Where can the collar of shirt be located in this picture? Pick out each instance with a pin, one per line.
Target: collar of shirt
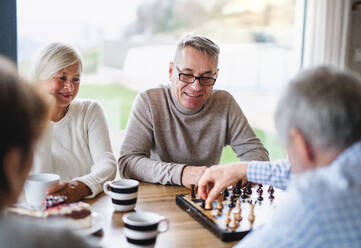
(342, 173)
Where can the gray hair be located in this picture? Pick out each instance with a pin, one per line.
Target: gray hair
(200, 43)
(51, 59)
(324, 104)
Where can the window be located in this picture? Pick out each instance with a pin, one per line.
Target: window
(123, 42)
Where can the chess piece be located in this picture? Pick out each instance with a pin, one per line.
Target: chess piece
(234, 223)
(238, 204)
(232, 205)
(260, 192)
(248, 188)
(251, 216)
(193, 193)
(208, 205)
(234, 192)
(271, 197)
(238, 215)
(238, 189)
(225, 192)
(219, 212)
(228, 219)
(203, 203)
(220, 205)
(259, 188)
(244, 195)
(271, 192)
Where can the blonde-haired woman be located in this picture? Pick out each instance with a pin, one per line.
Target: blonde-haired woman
(77, 145)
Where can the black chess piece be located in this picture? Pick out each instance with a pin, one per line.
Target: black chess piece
(271, 192)
(260, 192)
(234, 191)
(203, 203)
(193, 193)
(225, 192)
(259, 188)
(248, 188)
(238, 188)
(244, 195)
(232, 202)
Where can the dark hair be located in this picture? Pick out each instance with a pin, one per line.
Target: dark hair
(23, 113)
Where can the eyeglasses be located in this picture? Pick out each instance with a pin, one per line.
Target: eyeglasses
(190, 78)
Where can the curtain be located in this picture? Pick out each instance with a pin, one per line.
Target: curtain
(326, 32)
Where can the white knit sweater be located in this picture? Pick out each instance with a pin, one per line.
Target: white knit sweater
(78, 147)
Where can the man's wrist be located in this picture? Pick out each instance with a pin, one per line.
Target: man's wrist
(241, 171)
(181, 175)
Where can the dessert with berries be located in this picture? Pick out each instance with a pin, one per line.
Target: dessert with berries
(76, 215)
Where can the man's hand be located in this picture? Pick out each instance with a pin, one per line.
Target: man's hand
(74, 191)
(191, 175)
(218, 177)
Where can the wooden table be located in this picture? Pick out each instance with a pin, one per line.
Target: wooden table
(183, 231)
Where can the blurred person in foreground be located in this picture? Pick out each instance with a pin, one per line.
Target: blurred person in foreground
(77, 145)
(319, 121)
(24, 113)
(175, 132)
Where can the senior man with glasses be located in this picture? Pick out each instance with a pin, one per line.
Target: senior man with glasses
(175, 133)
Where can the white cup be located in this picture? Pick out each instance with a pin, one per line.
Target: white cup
(36, 186)
(141, 228)
(123, 193)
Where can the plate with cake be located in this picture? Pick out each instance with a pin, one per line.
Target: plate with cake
(76, 216)
(97, 224)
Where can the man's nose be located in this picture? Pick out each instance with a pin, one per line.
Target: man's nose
(196, 85)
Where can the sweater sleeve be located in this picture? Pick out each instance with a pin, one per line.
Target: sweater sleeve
(135, 161)
(241, 137)
(104, 163)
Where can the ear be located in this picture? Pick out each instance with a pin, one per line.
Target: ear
(303, 149)
(171, 66)
(217, 72)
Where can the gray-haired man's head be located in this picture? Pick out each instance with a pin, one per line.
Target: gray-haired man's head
(201, 43)
(324, 104)
(194, 71)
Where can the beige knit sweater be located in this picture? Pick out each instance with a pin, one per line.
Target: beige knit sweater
(162, 136)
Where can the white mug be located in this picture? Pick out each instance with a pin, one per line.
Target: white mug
(36, 186)
(141, 228)
(123, 193)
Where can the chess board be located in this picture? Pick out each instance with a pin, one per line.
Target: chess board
(216, 222)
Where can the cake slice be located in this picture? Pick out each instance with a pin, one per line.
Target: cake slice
(75, 215)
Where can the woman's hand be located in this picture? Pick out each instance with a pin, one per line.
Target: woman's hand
(74, 191)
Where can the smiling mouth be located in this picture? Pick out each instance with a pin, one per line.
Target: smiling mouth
(192, 95)
(65, 95)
